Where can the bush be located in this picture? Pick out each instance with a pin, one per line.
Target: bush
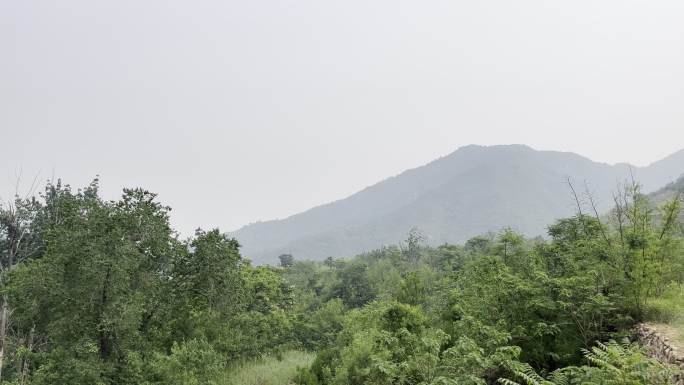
(194, 362)
(608, 364)
(70, 367)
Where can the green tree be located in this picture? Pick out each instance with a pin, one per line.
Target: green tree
(286, 260)
(353, 287)
(99, 278)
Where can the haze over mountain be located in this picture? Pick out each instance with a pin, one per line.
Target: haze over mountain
(471, 191)
(666, 194)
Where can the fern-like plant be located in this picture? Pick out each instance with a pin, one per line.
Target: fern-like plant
(611, 363)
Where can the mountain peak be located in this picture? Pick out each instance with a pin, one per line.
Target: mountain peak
(496, 147)
(473, 190)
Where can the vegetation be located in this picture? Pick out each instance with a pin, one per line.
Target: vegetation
(270, 370)
(609, 364)
(104, 292)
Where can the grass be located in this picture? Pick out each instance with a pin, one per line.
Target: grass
(668, 310)
(269, 370)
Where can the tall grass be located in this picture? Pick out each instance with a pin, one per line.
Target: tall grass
(268, 371)
(668, 309)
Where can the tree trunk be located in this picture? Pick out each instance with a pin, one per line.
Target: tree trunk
(104, 336)
(3, 332)
(23, 379)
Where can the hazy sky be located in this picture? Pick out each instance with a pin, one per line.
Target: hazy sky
(235, 111)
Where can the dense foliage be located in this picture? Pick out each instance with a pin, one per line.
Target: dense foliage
(476, 313)
(104, 292)
(110, 295)
(608, 364)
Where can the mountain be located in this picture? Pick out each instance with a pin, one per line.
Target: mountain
(473, 190)
(668, 192)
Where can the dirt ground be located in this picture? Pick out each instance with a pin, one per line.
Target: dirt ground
(673, 336)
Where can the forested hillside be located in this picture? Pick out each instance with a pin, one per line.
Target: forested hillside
(104, 292)
(469, 192)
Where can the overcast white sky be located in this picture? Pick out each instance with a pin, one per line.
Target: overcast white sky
(235, 111)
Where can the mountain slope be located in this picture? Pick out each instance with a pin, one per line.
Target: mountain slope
(667, 193)
(473, 190)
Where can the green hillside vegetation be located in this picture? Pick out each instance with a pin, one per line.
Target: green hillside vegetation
(667, 311)
(104, 292)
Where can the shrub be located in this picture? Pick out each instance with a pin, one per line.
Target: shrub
(193, 362)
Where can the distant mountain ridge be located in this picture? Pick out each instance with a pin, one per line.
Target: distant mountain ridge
(473, 190)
